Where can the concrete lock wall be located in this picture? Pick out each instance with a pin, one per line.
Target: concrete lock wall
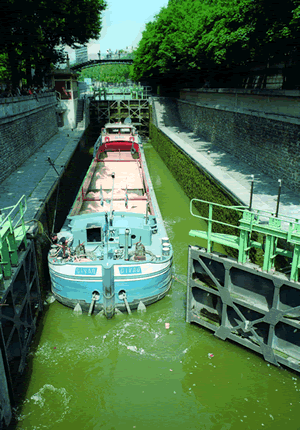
(26, 123)
(260, 127)
(69, 108)
(5, 406)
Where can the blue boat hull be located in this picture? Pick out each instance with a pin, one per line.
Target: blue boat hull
(70, 289)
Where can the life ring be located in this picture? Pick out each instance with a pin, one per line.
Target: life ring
(106, 139)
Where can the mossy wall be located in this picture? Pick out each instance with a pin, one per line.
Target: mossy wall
(196, 183)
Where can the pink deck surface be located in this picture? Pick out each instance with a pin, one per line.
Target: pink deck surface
(127, 174)
(128, 181)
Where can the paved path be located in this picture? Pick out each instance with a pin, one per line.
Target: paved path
(228, 170)
(35, 178)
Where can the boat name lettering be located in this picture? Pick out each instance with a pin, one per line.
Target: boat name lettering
(85, 270)
(129, 270)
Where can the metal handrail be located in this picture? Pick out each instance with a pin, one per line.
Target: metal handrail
(209, 219)
(22, 203)
(257, 213)
(260, 221)
(12, 234)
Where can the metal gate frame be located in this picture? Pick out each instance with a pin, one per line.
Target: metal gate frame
(240, 302)
(108, 110)
(20, 306)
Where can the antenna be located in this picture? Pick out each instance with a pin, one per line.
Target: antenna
(278, 197)
(112, 199)
(251, 192)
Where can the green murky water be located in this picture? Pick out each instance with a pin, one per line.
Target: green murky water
(132, 372)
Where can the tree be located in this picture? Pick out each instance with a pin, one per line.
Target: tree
(202, 37)
(31, 30)
(114, 73)
(4, 75)
(169, 43)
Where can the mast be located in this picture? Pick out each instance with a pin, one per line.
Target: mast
(111, 212)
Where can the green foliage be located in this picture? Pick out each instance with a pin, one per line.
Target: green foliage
(114, 73)
(32, 30)
(4, 73)
(190, 37)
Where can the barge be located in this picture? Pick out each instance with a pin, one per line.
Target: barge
(113, 251)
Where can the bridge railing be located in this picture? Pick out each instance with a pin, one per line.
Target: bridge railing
(116, 56)
(104, 58)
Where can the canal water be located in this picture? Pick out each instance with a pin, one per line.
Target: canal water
(87, 373)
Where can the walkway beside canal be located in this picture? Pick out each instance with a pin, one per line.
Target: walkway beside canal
(233, 174)
(36, 178)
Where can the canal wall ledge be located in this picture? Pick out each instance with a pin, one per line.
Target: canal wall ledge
(230, 171)
(36, 178)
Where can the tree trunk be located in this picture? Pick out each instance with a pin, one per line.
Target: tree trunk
(28, 71)
(13, 61)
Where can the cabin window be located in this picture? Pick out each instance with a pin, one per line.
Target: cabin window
(94, 234)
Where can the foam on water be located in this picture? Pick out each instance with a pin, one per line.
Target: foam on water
(48, 406)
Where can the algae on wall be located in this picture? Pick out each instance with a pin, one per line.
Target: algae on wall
(194, 181)
(198, 184)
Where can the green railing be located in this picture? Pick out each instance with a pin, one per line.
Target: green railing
(12, 234)
(266, 223)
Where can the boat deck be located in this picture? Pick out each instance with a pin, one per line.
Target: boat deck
(129, 194)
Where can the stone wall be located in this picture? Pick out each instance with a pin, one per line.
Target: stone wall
(26, 123)
(267, 137)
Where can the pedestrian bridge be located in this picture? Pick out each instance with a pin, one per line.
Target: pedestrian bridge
(109, 59)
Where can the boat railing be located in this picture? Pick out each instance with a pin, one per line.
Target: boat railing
(268, 227)
(146, 185)
(99, 160)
